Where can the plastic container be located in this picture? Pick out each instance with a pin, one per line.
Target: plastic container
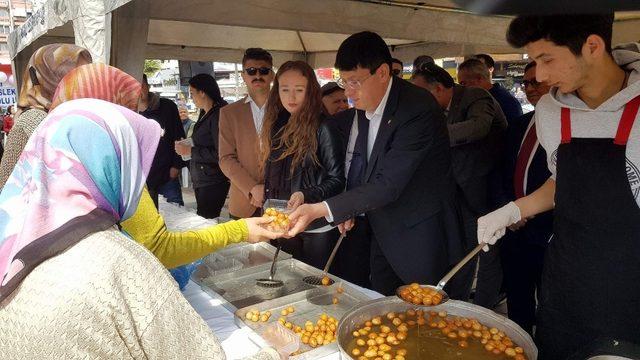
(188, 142)
(285, 341)
(279, 205)
(282, 207)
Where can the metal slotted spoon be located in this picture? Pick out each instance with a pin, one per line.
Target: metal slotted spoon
(271, 282)
(446, 278)
(317, 280)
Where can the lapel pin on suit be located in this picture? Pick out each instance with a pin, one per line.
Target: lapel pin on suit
(389, 121)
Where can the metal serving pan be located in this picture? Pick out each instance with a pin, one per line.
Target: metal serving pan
(234, 258)
(308, 305)
(382, 306)
(238, 289)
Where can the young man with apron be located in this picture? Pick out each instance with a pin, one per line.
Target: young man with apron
(591, 278)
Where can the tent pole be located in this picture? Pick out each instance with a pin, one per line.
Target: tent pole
(235, 67)
(304, 48)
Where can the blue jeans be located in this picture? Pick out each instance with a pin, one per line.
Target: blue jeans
(172, 191)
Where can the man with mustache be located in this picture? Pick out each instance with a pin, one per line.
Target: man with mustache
(240, 125)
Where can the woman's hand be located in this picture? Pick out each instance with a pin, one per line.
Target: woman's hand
(296, 199)
(257, 233)
(256, 195)
(182, 149)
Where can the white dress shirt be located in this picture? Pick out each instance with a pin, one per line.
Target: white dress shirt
(375, 118)
(257, 112)
(351, 144)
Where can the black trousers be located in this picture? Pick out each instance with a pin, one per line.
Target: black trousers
(311, 248)
(353, 259)
(210, 199)
(522, 265)
(474, 195)
(383, 278)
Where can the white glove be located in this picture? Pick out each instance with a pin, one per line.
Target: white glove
(493, 226)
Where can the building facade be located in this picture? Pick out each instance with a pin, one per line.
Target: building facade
(13, 13)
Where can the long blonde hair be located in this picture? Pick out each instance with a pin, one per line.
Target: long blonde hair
(299, 137)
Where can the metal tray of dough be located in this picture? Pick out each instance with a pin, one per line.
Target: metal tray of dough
(239, 289)
(308, 306)
(234, 258)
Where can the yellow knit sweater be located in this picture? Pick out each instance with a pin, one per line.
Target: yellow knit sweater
(174, 249)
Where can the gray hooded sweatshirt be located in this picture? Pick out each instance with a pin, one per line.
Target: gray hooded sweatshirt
(601, 122)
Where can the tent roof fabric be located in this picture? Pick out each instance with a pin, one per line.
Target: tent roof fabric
(219, 30)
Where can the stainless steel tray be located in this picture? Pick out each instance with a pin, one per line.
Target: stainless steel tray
(308, 305)
(236, 257)
(239, 289)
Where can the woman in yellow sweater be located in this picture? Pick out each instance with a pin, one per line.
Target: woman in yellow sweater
(145, 226)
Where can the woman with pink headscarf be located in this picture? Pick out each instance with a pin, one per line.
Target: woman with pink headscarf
(72, 285)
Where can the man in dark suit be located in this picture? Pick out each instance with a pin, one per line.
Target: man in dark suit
(400, 173)
(523, 247)
(476, 132)
(475, 72)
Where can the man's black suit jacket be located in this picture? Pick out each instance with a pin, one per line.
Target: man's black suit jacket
(409, 194)
(476, 129)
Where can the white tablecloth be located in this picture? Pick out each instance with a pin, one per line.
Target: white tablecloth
(179, 218)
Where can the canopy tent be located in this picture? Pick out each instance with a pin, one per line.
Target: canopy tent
(124, 32)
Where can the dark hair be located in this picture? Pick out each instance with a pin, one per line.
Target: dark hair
(298, 138)
(330, 91)
(420, 60)
(207, 84)
(396, 61)
(529, 66)
(571, 31)
(433, 73)
(476, 67)
(257, 54)
(366, 50)
(487, 59)
(145, 81)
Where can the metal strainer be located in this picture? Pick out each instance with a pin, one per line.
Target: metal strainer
(446, 278)
(271, 282)
(317, 280)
